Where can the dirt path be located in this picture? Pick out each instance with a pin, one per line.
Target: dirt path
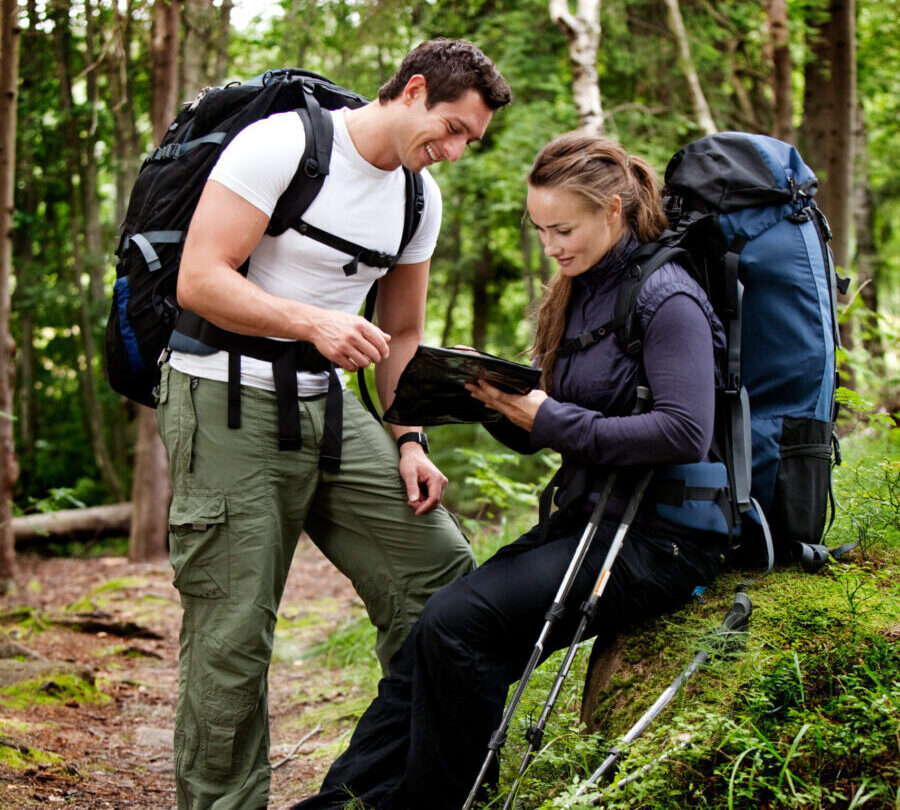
(92, 751)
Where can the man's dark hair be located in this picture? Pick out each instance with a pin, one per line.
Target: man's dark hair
(450, 67)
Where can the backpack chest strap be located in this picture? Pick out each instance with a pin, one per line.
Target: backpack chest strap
(373, 258)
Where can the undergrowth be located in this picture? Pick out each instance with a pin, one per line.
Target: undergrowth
(805, 714)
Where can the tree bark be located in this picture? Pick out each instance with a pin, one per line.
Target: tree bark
(868, 262)
(605, 661)
(222, 37)
(481, 299)
(126, 142)
(73, 524)
(82, 199)
(782, 88)
(198, 44)
(841, 158)
(9, 468)
(151, 491)
(702, 114)
(164, 72)
(830, 111)
(582, 32)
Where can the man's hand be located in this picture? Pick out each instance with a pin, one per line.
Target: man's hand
(425, 483)
(520, 409)
(350, 341)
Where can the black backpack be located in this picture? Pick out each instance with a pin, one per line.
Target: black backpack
(144, 308)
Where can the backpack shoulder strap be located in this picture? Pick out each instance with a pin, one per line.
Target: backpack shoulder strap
(415, 205)
(311, 170)
(646, 260)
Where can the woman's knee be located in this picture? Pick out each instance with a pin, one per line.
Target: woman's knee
(456, 616)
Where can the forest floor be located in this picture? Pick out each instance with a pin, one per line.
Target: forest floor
(88, 682)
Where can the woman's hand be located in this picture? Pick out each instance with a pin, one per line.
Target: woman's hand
(520, 409)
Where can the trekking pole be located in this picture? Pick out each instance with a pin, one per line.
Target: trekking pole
(556, 609)
(535, 733)
(735, 620)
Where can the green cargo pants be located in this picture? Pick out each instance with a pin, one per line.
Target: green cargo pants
(238, 508)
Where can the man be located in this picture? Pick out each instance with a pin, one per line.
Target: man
(240, 502)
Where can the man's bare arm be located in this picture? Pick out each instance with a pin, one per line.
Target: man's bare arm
(223, 232)
(401, 313)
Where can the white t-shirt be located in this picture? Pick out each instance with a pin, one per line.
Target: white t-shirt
(357, 202)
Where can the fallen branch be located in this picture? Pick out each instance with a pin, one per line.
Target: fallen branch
(72, 524)
(102, 623)
(296, 748)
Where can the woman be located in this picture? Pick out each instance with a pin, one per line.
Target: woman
(421, 742)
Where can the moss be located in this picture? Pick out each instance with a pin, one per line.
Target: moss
(10, 726)
(20, 757)
(49, 691)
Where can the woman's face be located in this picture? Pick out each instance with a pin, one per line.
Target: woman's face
(573, 234)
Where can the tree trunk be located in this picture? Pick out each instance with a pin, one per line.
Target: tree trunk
(481, 300)
(73, 524)
(9, 470)
(222, 37)
(197, 45)
(582, 32)
(749, 114)
(841, 158)
(702, 115)
(164, 73)
(82, 205)
(151, 491)
(93, 234)
(867, 258)
(606, 659)
(126, 142)
(782, 89)
(830, 108)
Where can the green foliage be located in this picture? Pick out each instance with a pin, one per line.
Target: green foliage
(495, 475)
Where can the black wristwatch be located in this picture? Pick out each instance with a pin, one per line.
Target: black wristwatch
(413, 436)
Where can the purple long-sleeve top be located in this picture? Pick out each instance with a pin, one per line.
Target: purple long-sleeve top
(587, 417)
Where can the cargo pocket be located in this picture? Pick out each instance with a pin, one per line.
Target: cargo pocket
(801, 484)
(223, 717)
(199, 544)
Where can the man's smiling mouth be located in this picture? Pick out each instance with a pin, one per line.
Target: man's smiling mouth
(431, 154)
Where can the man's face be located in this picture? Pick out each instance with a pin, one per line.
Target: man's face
(442, 132)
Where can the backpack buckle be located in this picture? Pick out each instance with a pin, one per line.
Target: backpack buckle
(311, 167)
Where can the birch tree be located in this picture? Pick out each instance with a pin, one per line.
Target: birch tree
(702, 114)
(9, 471)
(582, 32)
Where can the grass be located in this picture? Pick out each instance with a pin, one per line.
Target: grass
(805, 715)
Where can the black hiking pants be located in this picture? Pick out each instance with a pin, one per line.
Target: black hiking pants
(421, 743)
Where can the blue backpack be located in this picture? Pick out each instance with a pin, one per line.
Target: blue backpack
(743, 220)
